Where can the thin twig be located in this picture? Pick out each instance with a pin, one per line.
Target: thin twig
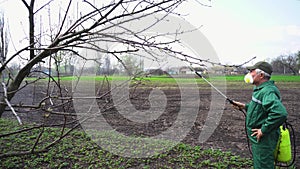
(37, 139)
(43, 150)
(35, 127)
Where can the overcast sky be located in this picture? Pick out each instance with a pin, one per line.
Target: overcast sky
(241, 29)
(237, 29)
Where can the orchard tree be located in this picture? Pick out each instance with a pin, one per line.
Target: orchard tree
(61, 28)
(79, 25)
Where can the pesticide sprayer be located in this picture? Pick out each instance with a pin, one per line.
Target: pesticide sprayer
(283, 152)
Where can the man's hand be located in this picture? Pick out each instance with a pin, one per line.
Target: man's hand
(238, 105)
(257, 133)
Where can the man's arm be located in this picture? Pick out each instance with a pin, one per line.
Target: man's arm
(277, 113)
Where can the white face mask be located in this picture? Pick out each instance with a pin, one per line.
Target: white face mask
(248, 78)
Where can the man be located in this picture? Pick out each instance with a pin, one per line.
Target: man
(265, 113)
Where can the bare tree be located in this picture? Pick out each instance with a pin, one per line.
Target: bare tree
(286, 64)
(94, 23)
(3, 38)
(71, 34)
(76, 26)
(82, 26)
(298, 61)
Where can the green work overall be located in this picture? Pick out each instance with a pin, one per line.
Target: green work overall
(266, 112)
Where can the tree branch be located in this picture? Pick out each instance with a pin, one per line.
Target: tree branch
(9, 105)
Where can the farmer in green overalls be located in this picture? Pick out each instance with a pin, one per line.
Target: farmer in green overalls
(265, 113)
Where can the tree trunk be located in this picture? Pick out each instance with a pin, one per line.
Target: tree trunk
(13, 87)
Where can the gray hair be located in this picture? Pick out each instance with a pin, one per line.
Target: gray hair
(263, 72)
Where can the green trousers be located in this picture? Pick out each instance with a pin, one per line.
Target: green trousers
(263, 152)
(263, 158)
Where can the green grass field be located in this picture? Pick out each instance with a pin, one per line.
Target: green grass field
(229, 81)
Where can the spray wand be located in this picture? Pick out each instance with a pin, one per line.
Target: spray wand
(222, 94)
(228, 99)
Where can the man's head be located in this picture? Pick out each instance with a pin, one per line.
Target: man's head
(260, 72)
(264, 66)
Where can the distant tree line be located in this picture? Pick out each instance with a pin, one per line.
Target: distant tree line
(283, 64)
(287, 64)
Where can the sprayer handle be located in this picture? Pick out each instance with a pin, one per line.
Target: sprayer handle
(233, 103)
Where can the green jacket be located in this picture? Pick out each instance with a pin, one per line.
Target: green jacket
(265, 111)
